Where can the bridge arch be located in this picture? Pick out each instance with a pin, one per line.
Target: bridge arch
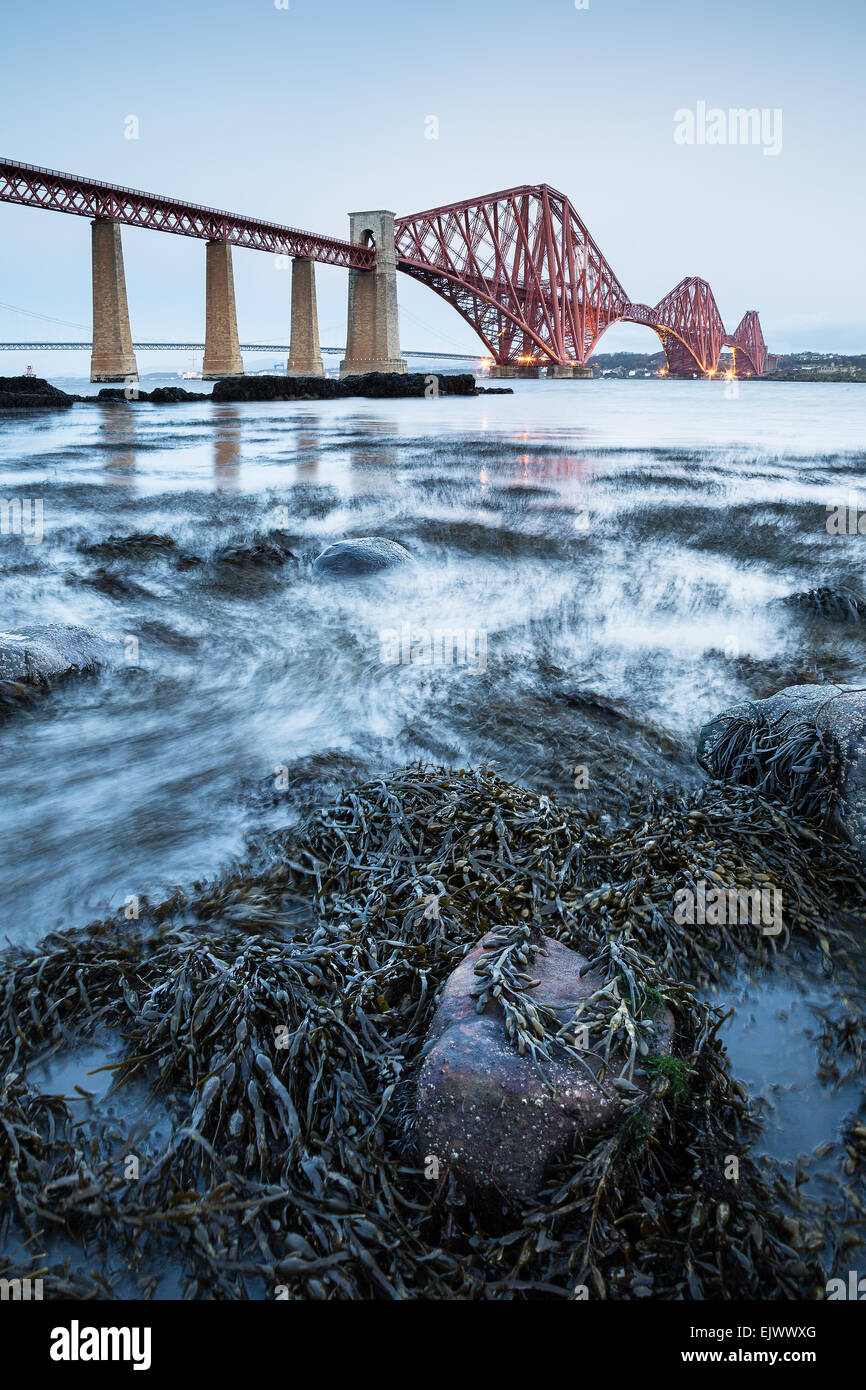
(680, 360)
(482, 311)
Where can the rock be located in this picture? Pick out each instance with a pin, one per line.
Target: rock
(113, 583)
(365, 555)
(837, 710)
(375, 385)
(275, 388)
(172, 395)
(382, 385)
(34, 659)
(160, 395)
(496, 1118)
(269, 552)
(115, 393)
(141, 545)
(836, 605)
(31, 393)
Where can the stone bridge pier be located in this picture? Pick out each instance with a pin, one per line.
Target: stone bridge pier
(305, 354)
(112, 357)
(222, 349)
(373, 333)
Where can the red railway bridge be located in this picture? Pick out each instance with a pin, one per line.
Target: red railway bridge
(519, 266)
(522, 269)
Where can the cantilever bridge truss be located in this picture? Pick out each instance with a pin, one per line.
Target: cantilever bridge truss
(520, 266)
(522, 269)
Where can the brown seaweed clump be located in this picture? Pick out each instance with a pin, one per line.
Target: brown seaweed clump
(280, 1013)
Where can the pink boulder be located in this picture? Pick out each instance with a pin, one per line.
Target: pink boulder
(494, 1118)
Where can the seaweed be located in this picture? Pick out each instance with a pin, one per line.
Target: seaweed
(795, 761)
(835, 605)
(281, 1012)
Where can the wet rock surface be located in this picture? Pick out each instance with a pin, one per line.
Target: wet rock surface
(114, 583)
(31, 393)
(267, 552)
(364, 555)
(41, 655)
(142, 546)
(377, 385)
(160, 395)
(823, 727)
(494, 1117)
(835, 605)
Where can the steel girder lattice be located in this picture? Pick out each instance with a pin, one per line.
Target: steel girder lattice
(47, 188)
(750, 350)
(521, 267)
(523, 270)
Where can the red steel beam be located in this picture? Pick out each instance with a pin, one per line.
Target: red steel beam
(32, 186)
(522, 269)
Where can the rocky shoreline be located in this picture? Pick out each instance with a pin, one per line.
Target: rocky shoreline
(443, 1035)
(33, 393)
(296, 1020)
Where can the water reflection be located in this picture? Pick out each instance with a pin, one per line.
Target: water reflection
(227, 448)
(308, 441)
(117, 430)
(555, 468)
(372, 464)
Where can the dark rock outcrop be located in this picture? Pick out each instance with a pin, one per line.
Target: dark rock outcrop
(836, 605)
(364, 555)
(31, 393)
(141, 545)
(267, 552)
(496, 1118)
(160, 395)
(33, 660)
(377, 385)
(108, 580)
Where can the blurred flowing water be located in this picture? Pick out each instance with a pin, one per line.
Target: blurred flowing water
(613, 553)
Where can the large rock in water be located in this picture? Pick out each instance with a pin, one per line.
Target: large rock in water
(42, 655)
(376, 385)
(265, 552)
(798, 713)
(31, 393)
(366, 555)
(494, 1117)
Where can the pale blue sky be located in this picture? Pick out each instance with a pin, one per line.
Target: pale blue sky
(302, 114)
